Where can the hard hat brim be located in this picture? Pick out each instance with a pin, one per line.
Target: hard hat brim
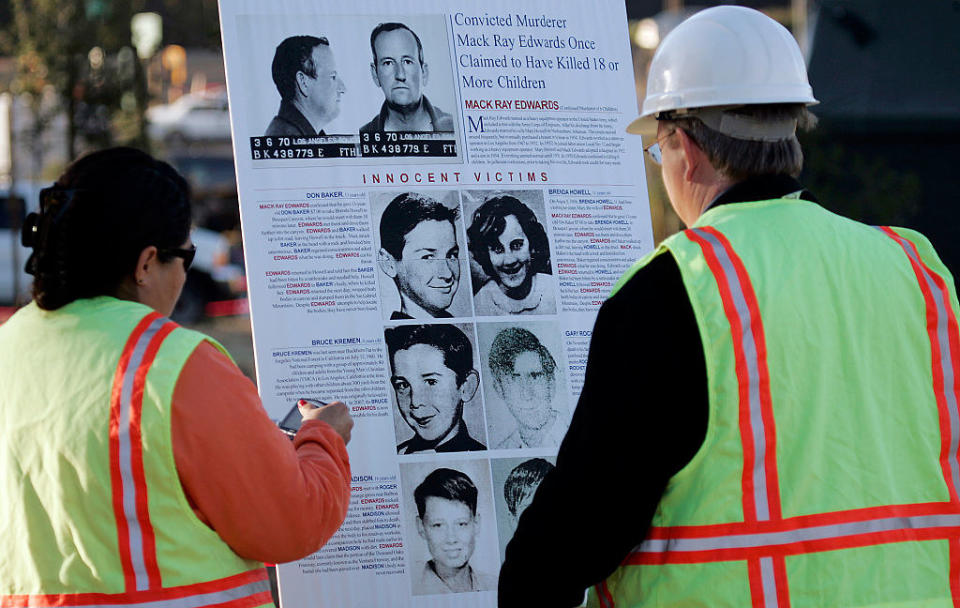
(645, 125)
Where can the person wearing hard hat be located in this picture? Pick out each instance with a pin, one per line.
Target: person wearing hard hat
(770, 410)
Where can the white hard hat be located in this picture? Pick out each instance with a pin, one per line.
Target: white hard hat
(725, 56)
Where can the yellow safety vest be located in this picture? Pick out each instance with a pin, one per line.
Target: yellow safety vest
(93, 513)
(829, 474)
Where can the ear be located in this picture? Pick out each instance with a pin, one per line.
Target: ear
(420, 530)
(388, 264)
(476, 527)
(693, 156)
(146, 263)
(302, 83)
(373, 74)
(426, 74)
(469, 387)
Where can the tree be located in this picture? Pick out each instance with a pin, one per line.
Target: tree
(81, 48)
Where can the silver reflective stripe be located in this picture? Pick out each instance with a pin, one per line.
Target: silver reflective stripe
(946, 359)
(126, 464)
(769, 582)
(758, 474)
(191, 601)
(813, 533)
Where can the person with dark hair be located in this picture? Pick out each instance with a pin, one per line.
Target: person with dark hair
(522, 483)
(310, 89)
(136, 461)
(398, 69)
(419, 251)
(510, 244)
(432, 377)
(448, 521)
(524, 376)
(772, 391)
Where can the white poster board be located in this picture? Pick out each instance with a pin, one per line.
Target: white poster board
(458, 337)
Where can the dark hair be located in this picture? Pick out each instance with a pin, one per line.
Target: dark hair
(389, 27)
(449, 484)
(404, 213)
(448, 339)
(100, 214)
(739, 159)
(523, 480)
(512, 341)
(489, 222)
(295, 54)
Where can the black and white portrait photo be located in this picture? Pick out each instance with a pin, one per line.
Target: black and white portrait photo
(510, 253)
(450, 527)
(312, 83)
(399, 70)
(420, 255)
(433, 372)
(515, 481)
(304, 70)
(525, 385)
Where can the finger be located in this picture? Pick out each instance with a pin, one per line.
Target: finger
(305, 406)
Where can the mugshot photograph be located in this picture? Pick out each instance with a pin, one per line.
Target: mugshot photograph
(305, 73)
(515, 481)
(433, 372)
(420, 255)
(524, 384)
(400, 72)
(300, 76)
(449, 527)
(510, 253)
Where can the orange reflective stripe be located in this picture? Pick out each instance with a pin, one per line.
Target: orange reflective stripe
(239, 591)
(780, 576)
(135, 536)
(761, 492)
(123, 535)
(760, 481)
(606, 596)
(136, 456)
(945, 362)
(944, 351)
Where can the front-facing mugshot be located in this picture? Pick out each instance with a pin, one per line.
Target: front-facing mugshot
(434, 377)
(509, 244)
(420, 255)
(452, 539)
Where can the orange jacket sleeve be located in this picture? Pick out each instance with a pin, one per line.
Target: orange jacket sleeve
(268, 499)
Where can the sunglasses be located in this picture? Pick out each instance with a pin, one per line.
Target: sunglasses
(186, 255)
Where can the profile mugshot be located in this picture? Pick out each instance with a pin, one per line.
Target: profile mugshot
(305, 74)
(399, 71)
(448, 521)
(525, 378)
(420, 254)
(433, 375)
(510, 244)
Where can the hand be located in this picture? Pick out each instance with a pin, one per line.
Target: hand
(336, 414)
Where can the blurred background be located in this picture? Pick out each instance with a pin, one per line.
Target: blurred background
(82, 74)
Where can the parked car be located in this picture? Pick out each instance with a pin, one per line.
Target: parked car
(191, 118)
